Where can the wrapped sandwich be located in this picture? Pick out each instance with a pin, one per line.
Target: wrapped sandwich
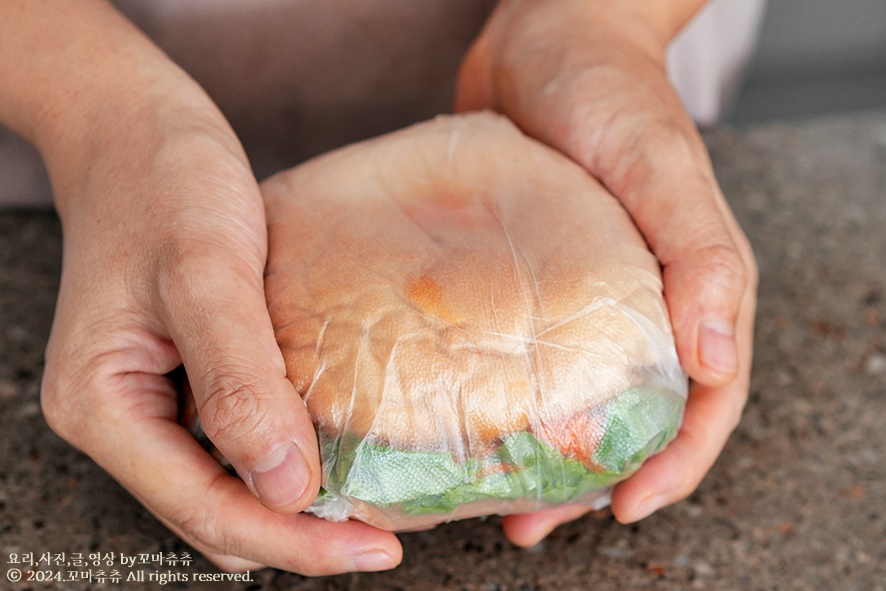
(474, 323)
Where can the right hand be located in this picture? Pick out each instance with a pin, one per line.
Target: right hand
(588, 78)
(164, 252)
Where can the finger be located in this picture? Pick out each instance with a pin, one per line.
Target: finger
(233, 564)
(159, 462)
(712, 413)
(705, 281)
(683, 216)
(474, 90)
(664, 179)
(676, 472)
(228, 521)
(528, 529)
(218, 319)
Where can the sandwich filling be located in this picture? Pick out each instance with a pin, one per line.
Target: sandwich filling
(638, 424)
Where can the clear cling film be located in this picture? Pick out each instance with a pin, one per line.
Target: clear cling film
(474, 323)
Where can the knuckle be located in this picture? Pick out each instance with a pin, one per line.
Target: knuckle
(195, 264)
(662, 135)
(54, 407)
(723, 267)
(203, 530)
(183, 272)
(648, 147)
(63, 398)
(234, 406)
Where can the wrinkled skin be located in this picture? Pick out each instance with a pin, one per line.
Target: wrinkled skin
(597, 90)
(165, 245)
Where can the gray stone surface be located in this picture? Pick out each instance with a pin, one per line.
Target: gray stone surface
(797, 500)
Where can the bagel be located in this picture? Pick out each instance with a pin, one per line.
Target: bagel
(474, 322)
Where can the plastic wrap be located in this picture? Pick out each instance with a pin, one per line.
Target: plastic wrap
(474, 323)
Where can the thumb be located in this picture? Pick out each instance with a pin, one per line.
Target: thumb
(218, 319)
(475, 84)
(473, 89)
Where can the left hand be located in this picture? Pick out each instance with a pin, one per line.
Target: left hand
(588, 78)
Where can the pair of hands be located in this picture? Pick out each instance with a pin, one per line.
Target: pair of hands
(165, 247)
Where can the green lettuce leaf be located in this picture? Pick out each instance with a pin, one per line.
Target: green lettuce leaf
(639, 423)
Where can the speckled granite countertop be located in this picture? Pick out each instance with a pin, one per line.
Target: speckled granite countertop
(797, 501)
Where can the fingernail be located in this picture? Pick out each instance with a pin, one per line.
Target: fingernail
(281, 478)
(374, 560)
(647, 507)
(716, 345)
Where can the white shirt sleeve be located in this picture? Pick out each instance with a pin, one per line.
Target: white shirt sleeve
(707, 59)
